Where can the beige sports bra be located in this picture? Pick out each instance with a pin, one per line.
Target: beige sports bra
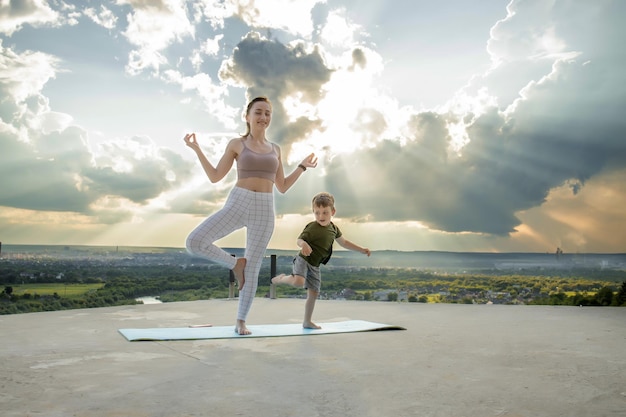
(251, 164)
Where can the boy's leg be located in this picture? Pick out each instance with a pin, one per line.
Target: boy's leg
(293, 280)
(297, 277)
(313, 285)
(311, 296)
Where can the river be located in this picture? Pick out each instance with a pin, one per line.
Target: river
(149, 300)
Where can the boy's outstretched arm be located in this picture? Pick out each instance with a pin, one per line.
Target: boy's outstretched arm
(352, 246)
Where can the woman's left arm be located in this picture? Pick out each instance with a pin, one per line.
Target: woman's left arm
(284, 183)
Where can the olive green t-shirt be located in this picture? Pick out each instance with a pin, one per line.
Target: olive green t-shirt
(320, 239)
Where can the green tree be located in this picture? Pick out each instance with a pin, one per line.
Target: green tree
(620, 298)
(605, 296)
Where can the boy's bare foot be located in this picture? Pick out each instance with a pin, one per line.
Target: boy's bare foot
(241, 328)
(310, 325)
(238, 271)
(278, 279)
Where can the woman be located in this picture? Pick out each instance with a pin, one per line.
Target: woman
(250, 203)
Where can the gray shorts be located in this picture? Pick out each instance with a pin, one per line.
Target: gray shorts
(310, 273)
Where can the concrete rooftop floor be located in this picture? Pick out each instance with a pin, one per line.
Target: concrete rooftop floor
(452, 361)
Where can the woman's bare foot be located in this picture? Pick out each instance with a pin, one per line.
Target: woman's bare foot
(241, 328)
(278, 279)
(238, 270)
(310, 325)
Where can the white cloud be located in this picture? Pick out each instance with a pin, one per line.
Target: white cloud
(24, 75)
(338, 30)
(293, 16)
(211, 94)
(211, 47)
(152, 28)
(104, 17)
(527, 33)
(352, 107)
(23, 108)
(15, 14)
(213, 11)
(51, 121)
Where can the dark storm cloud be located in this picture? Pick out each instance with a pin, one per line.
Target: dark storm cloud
(14, 14)
(23, 8)
(146, 175)
(358, 58)
(57, 172)
(270, 68)
(37, 181)
(144, 182)
(563, 132)
(563, 125)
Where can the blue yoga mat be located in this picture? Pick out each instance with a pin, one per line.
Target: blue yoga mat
(263, 330)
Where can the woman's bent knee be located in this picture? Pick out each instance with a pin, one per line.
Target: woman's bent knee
(192, 245)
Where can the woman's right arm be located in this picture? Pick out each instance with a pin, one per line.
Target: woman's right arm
(215, 173)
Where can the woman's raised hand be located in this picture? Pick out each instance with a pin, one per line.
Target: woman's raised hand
(310, 161)
(190, 140)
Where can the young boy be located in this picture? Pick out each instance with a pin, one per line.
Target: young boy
(316, 247)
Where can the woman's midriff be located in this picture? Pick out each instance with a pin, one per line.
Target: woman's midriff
(258, 185)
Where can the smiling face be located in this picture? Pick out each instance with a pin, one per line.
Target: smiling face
(323, 215)
(259, 115)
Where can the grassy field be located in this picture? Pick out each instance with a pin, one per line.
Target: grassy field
(69, 290)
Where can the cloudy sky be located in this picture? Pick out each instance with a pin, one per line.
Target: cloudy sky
(457, 126)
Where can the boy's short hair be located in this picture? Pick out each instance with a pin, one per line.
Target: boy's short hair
(324, 199)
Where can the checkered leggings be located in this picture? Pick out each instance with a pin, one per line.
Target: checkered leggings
(243, 208)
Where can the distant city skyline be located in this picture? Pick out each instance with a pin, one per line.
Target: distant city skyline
(492, 126)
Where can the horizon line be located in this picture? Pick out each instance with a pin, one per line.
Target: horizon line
(295, 250)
